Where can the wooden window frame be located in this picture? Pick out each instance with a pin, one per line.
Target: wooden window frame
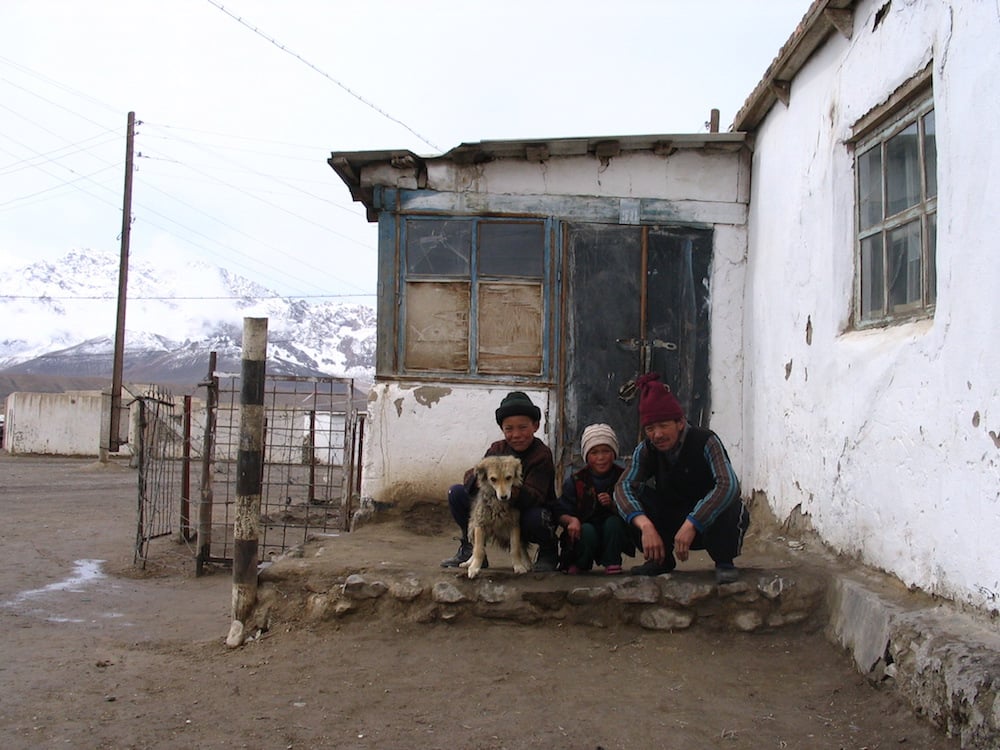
(908, 106)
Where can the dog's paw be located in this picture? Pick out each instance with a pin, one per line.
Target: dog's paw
(520, 568)
(473, 571)
(465, 564)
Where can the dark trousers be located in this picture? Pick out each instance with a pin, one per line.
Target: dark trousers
(602, 542)
(723, 540)
(536, 523)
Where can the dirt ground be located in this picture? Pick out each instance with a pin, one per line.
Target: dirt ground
(97, 655)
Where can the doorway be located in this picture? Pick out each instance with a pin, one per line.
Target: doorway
(637, 301)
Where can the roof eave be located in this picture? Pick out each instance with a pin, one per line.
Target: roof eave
(823, 18)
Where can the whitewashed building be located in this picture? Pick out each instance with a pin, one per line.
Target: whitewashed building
(790, 279)
(871, 387)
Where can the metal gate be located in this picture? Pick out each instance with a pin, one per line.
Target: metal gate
(187, 450)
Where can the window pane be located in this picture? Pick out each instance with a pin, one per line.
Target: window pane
(437, 326)
(930, 153)
(872, 280)
(904, 266)
(511, 249)
(438, 248)
(510, 328)
(931, 258)
(870, 187)
(902, 171)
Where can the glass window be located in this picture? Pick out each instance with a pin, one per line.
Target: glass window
(438, 248)
(475, 296)
(511, 249)
(896, 169)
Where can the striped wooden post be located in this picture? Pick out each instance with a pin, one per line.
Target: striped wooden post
(246, 532)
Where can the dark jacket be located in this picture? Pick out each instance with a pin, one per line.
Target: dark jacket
(579, 494)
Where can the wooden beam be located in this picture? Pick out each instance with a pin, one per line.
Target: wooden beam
(536, 152)
(782, 90)
(842, 19)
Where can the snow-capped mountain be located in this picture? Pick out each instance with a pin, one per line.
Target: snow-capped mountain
(59, 318)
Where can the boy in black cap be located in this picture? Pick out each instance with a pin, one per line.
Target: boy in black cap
(519, 419)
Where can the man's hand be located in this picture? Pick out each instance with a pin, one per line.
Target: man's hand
(572, 524)
(653, 549)
(604, 499)
(683, 540)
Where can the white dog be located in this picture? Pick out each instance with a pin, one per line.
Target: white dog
(493, 518)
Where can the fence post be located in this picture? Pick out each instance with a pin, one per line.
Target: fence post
(246, 530)
(207, 459)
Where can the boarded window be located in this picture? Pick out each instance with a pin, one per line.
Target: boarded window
(510, 328)
(437, 326)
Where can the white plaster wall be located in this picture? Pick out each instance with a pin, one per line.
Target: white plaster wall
(54, 423)
(420, 439)
(888, 439)
(686, 175)
(726, 354)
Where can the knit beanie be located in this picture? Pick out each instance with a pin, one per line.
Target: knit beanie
(517, 404)
(598, 434)
(656, 402)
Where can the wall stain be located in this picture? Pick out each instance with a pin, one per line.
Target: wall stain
(788, 369)
(996, 438)
(398, 403)
(809, 330)
(975, 419)
(428, 395)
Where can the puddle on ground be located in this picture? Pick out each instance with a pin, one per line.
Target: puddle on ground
(85, 573)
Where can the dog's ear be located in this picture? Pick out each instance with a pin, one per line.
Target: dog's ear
(519, 473)
(481, 474)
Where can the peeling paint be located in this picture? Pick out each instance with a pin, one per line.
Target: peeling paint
(975, 418)
(398, 403)
(809, 330)
(788, 369)
(996, 438)
(428, 395)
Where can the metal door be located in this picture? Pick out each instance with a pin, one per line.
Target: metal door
(637, 301)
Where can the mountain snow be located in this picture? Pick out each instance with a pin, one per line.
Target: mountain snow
(67, 310)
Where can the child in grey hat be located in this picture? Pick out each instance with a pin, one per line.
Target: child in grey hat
(593, 531)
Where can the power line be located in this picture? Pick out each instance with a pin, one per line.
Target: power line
(253, 297)
(326, 75)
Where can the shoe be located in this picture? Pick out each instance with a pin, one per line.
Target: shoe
(726, 573)
(613, 570)
(546, 562)
(653, 568)
(573, 570)
(463, 554)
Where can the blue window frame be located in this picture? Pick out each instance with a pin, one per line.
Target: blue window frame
(475, 296)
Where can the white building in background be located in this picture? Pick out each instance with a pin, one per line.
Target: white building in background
(819, 286)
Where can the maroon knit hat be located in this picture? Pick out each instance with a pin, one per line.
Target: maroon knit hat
(656, 402)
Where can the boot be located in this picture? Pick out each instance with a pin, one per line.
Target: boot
(463, 554)
(547, 560)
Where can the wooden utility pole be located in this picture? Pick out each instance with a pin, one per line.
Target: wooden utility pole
(114, 439)
(249, 465)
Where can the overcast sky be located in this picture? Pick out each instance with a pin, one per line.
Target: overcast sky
(242, 101)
